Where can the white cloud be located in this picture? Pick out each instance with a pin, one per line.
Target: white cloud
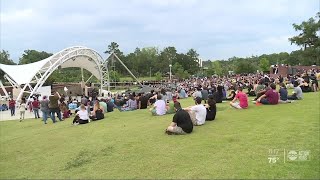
(217, 29)
(16, 16)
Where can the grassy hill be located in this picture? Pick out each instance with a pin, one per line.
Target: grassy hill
(133, 145)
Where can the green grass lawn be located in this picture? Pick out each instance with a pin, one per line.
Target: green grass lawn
(133, 145)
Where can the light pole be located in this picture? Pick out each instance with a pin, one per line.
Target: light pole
(170, 70)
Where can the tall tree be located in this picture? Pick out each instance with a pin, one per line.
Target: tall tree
(217, 67)
(166, 57)
(5, 59)
(308, 38)
(31, 56)
(244, 67)
(113, 64)
(264, 64)
(114, 47)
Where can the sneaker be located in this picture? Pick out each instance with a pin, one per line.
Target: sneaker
(168, 132)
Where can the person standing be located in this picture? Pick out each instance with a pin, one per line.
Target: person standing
(22, 108)
(35, 107)
(12, 107)
(54, 106)
(44, 107)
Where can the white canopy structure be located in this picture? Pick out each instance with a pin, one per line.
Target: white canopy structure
(22, 76)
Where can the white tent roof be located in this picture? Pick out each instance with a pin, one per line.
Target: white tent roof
(23, 74)
(72, 57)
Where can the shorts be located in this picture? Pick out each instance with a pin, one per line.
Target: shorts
(178, 130)
(236, 105)
(193, 118)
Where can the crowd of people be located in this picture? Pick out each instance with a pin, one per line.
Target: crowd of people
(164, 99)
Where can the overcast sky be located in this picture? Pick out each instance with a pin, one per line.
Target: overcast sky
(216, 29)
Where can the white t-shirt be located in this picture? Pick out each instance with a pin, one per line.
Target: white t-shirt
(22, 107)
(160, 107)
(200, 112)
(83, 114)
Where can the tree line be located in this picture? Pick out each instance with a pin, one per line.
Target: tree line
(151, 61)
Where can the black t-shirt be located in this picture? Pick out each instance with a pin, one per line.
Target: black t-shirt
(144, 102)
(183, 120)
(211, 113)
(217, 97)
(99, 114)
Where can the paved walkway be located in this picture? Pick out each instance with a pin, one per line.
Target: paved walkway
(6, 116)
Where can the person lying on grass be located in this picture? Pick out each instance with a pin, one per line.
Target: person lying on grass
(82, 116)
(270, 97)
(242, 98)
(197, 113)
(181, 123)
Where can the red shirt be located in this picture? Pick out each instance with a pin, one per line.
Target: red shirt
(272, 96)
(12, 103)
(243, 99)
(35, 104)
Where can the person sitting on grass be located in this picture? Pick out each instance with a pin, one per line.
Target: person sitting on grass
(242, 98)
(218, 95)
(314, 83)
(270, 97)
(197, 113)
(64, 109)
(211, 109)
(82, 116)
(181, 123)
(231, 95)
(283, 93)
(159, 107)
(143, 101)
(131, 104)
(260, 89)
(98, 112)
(170, 107)
(297, 92)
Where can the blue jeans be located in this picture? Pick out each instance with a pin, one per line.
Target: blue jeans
(12, 110)
(36, 113)
(45, 115)
(53, 111)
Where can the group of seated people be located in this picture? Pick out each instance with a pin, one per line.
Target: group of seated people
(83, 115)
(185, 118)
